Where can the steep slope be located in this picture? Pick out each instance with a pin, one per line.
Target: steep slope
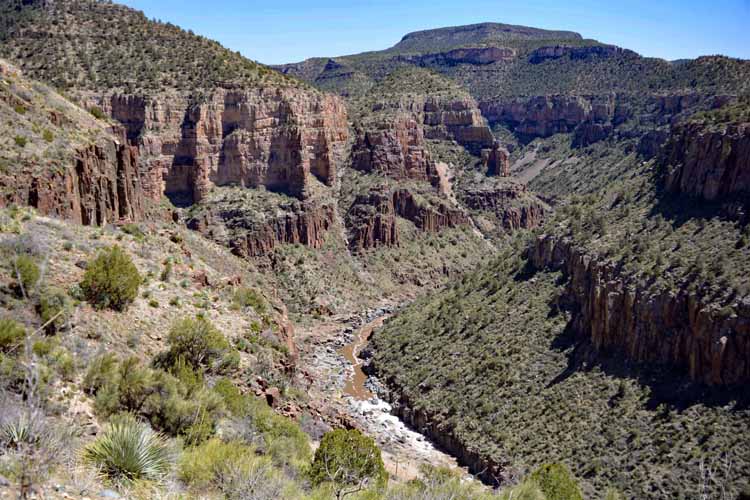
(60, 159)
(201, 115)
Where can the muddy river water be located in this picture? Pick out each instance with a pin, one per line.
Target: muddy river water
(355, 383)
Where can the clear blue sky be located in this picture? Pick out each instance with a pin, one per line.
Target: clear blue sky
(288, 31)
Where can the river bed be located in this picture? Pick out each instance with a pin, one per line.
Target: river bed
(341, 383)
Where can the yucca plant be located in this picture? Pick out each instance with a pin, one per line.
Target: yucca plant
(128, 450)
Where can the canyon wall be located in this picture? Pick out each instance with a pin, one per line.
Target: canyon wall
(276, 137)
(666, 327)
(543, 116)
(100, 186)
(712, 163)
(249, 234)
(511, 202)
(371, 220)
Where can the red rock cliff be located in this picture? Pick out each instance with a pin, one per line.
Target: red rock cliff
(100, 186)
(371, 220)
(276, 137)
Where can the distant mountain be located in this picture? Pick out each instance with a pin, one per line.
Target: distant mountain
(473, 34)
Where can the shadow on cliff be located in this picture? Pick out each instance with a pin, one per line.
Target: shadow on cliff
(680, 209)
(669, 387)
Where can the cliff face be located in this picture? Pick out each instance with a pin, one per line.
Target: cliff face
(674, 328)
(465, 55)
(393, 141)
(276, 137)
(396, 149)
(709, 163)
(64, 162)
(511, 202)
(371, 220)
(99, 187)
(250, 234)
(558, 51)
(543, 116)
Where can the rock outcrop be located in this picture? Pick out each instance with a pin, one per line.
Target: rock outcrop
(393, 141)
(496, 161)
(99, 187)
(543, 116)
(576, 53)
(372, 218)
(709, 163)
(276, 137)
(465, 55)
(665, 327)
(395, 149)
(511, 202)
(248, 232)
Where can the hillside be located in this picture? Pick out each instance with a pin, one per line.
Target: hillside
(95, 45)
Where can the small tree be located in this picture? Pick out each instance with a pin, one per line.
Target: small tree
(349, 460)
(111, 280)
(198, 343)
(556, 482)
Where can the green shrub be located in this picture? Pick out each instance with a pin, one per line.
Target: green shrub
(26, 271)
(20, 141)
(111, 280)
(101, 372)
(247, 297)
(97, 112)
(48, 136)
(11, 335)
(556, 482)
(128, 450)
(55, 306)
(166, 273)
(197, 342)
(176, 405)
(204, 465)
(348, 459)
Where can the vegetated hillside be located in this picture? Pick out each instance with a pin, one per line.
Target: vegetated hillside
(498, 62)
(97, 45)
(618, 341)
(490, 371)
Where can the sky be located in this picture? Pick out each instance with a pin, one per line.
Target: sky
(280, 31)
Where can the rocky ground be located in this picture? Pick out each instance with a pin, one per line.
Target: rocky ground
(404, 450)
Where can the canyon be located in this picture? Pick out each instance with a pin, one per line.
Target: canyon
(488, 247)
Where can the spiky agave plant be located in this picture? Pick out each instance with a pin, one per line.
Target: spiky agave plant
(128, 450)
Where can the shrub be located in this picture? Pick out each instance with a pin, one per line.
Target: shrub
(97, 112)
(111, 280)
(55, 306)
(20, 141)
(11, 335)
(48, 136)
(101, 372)
(26, 271)
(350, 460)
(556, 482)
(204, 465)
(198, 343)
(247, 297)
(128, 450)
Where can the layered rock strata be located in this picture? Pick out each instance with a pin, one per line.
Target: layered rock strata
(372, 218)
(276, 137)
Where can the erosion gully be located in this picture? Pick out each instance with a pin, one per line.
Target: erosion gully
(331, 355)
